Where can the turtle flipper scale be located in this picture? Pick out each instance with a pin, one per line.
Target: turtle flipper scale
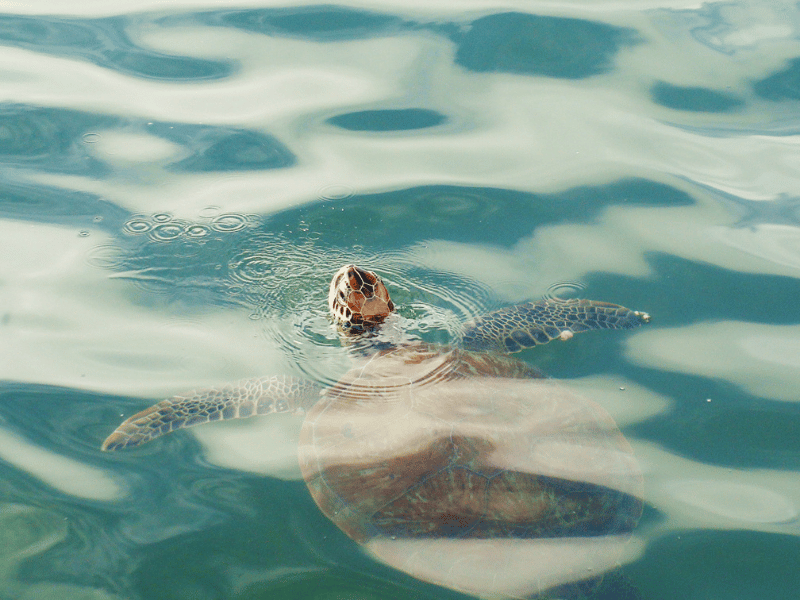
(530, 324)
(245, 398)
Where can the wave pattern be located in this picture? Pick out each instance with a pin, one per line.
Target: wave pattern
(179, 185)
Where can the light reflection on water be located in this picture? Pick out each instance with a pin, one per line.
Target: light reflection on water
(178, 188)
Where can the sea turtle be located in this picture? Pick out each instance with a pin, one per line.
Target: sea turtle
(460, 464)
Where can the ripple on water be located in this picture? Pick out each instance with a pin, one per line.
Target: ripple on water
(252, 269)
(167, 231)
(91, 138)
(209, 212)
(288, 284)
(196, 231)
(137, 224)
(281, 278)
(230, 222)
(433, 299)
(165, 227)
(106, 256)
(564, 290)
(336, 192)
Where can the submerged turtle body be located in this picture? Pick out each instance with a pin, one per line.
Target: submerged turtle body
(460, 465)
(441, 463)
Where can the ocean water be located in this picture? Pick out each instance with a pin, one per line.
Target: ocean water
(179, 182)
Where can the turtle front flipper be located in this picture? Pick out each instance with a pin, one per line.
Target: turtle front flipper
(245, 398)
(526, 325)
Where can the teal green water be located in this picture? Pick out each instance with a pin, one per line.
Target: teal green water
(178, 188)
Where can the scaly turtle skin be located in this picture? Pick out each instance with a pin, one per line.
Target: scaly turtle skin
(459, 465)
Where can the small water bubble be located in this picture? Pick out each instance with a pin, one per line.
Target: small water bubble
(336, 192)
(229, 222)
(97, 219)
(564, 290)
(83, 233)
(162, 217)
(137, 225)
(91, 138)
(166, 231)
(209, 212)
(197, 231)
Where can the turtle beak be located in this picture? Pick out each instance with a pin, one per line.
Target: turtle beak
(375, 309)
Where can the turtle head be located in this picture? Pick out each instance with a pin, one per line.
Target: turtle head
(358, 299)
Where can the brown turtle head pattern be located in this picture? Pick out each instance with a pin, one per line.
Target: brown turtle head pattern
(358, 299)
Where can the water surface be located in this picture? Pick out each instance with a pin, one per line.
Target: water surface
(178, 187)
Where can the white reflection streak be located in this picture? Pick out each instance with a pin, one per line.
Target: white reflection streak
(778, 244)
(506, 568)
(758, 358)
(694, 495)
(66, 475)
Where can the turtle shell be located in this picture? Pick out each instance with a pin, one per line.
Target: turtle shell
(467, 471)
